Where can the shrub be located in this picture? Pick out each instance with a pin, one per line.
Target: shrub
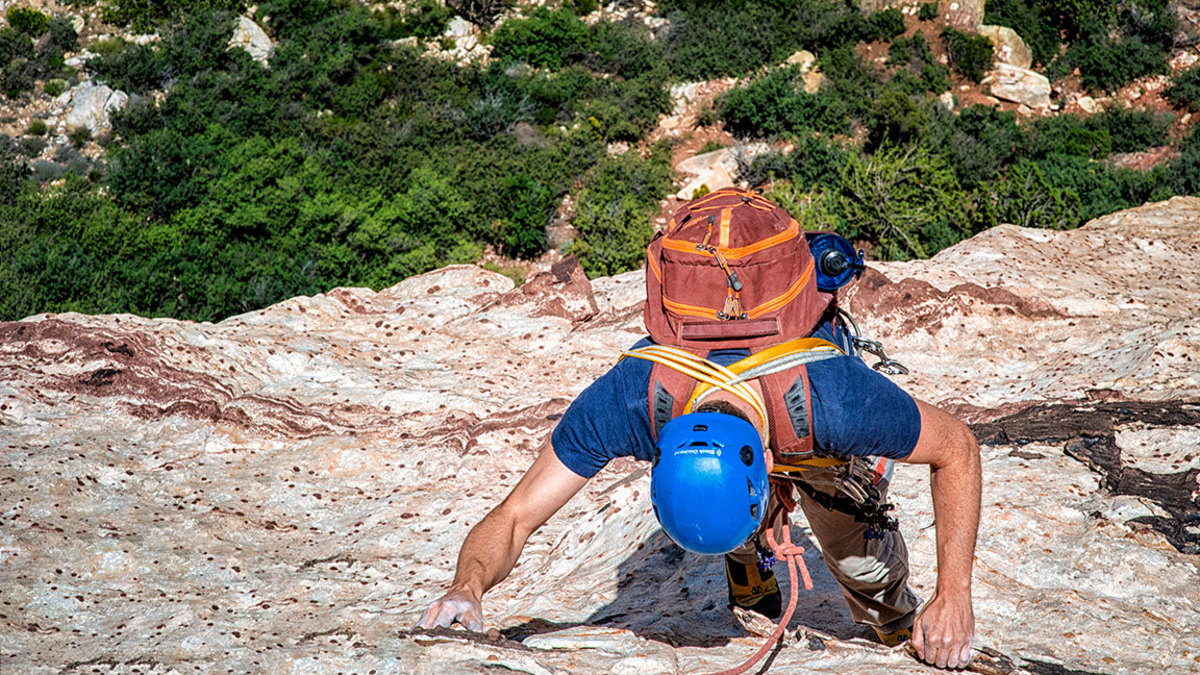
(55, 86)
(703, 42)
(904, 200)
(1024, 198)
(28, 21)
(544, 40)
(896, 119)
(428, 19)
(145, 16)
(79, 136)
(1101, 188)
(36, 127)
(814, 161)
(1067, 135)
(885, 24)
(1184, 90)
(970, 55)
(978, 142)
(928, 11)
(777, 104)
(482, 13)
(1132, 130)
(920, 71)
(614, 210)
(1107, 64)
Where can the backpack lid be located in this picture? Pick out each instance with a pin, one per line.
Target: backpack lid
(731, 270)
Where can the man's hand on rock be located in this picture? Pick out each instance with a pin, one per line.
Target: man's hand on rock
(457, 606)
(944, 630)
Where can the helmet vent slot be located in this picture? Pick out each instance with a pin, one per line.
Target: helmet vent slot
(750, 487)
(754, 512)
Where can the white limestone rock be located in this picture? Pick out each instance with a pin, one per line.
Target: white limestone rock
(92, 104)
(1008, 46)
(1020, 85)
(249, 36)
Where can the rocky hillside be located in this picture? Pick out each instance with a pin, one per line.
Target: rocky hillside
(286, 490)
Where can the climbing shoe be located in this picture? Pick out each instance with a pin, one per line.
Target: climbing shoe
(753, 589)
(895, 637)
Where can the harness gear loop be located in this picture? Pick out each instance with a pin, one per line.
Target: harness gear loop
(792, 553)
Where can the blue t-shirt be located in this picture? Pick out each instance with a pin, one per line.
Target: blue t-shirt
(856, 411)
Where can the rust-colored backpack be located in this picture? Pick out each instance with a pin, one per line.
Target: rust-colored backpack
(731, 270)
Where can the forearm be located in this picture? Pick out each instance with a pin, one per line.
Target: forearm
(489, 552)
(956, 487)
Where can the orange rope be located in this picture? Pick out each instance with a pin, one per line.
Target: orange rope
(791, 552)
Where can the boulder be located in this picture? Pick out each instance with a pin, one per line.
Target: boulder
(1020, 85)
(803, 58)
(91, 105)
(716, 169)
(251, 37)
(1008, 46)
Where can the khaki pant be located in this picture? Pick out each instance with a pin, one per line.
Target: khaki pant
(873, 573)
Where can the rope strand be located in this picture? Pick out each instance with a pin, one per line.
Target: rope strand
(792, 553)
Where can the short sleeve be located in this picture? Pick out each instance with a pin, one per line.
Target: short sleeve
(859, 412)
(611, 418)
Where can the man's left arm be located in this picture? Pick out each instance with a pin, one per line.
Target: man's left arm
(945, 627)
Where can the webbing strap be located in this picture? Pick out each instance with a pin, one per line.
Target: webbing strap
(735, 377)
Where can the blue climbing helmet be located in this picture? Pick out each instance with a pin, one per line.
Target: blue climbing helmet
(708, 481)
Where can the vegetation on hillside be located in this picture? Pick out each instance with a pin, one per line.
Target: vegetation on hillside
(358, 159)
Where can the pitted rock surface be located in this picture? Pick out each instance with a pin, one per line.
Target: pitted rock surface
(286, 490)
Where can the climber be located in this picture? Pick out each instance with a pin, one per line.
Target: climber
(808, 411)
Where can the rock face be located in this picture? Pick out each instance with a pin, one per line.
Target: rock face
(250, 36)
(1020, 85)
(287, 489)
(91, 105)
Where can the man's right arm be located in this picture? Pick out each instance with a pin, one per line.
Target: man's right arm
(493, 546)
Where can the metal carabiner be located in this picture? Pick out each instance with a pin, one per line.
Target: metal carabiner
(886, 364)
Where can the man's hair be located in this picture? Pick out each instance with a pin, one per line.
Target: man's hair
(721, 407)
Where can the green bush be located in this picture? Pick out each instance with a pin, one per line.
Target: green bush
(427, 19)
(55, 86)
(919, 70)
(905, 201)
(978, 142)
(896, 119)
(886, 24)
(28, 21)
(703, 43)
(1067, 135)
(928, 11)
(1107, 64)
(79, 136)
(36, 127)
(813, 161)
(970, 55)
(778, 105)
(1024, 198)
(145, 16)
(1184, 90)
(1102, 189)
(1132, 130)
(614, 211)
(545, 39)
